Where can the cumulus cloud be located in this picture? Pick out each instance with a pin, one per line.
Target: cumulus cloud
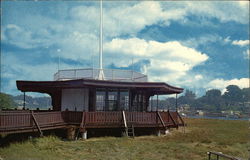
(241, 42)
(198, 77)
(171, 58)
(117, 20)
(224, 11)
(222, 84)
(80, 29)
(16, 35)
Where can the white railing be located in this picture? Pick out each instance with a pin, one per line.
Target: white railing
(109, 74)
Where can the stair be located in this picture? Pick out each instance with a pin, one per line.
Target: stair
(130, 131)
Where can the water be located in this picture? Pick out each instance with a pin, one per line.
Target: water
(215, 117)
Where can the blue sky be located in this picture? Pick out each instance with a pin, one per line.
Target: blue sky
(194, 45)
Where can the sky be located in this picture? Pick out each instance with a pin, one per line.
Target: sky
(189, 44)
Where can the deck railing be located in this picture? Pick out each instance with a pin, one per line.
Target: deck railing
(11, 121)
(109, 74)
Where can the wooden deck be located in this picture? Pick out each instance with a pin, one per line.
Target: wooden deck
(25, 121)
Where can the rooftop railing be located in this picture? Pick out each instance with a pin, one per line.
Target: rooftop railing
(92, 73)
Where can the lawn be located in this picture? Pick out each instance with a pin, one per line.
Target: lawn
(202, 135)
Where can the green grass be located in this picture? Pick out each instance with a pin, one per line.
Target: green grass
(202, 135)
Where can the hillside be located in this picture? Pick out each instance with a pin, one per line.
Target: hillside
(32, 102)
(202, 135)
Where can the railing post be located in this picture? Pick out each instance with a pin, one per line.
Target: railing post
(176, 102)
(24, 100)
(209, 155)
(152, 98)
(157, 103)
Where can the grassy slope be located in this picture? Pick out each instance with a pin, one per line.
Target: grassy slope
(229, 137)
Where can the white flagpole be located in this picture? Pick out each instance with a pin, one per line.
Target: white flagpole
(101, 74)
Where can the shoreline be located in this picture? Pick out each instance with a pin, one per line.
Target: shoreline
(216, 117)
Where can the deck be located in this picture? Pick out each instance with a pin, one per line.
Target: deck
(31, 121)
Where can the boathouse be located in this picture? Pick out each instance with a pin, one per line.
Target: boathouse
(81, 101)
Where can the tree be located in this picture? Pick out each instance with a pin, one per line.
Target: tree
(245, 94)
(233, 94)
(188, 98)
(6, 101)
(212, 100)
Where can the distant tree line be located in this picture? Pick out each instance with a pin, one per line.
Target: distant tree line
(233, 99)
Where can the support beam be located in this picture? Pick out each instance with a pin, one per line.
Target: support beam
(176, 108)
(157, 102)
(158, 133)
(71, 132)
(36, 123)
(125, 123)
(24, 100)
(162, 122)
(151, 103)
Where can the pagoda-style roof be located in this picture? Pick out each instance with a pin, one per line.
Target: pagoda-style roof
(51, 86)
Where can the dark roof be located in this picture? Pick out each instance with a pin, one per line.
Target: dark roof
(50, 86)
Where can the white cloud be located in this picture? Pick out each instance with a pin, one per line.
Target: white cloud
(139, 47)
(198, 77)
(126, 19)
(241, 42)
(171, 59)
(224, 10)
(222, 84)
(243, 4)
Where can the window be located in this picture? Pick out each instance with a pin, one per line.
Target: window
(112, 101)
(100, 100)
(124, 100)
(139, 102)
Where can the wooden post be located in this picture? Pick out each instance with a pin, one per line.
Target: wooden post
(125, 123)
(24, 100)
(162, 122)
(158, 133)
(209, 155)
(157, 103)
(176, 102)
(151, 103)
(36, 123)
(71, 132)
(118, 106)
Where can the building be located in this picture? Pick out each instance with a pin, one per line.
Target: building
(81, 102)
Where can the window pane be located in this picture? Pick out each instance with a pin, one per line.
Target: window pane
(100, 100)
(124, 100)
(112, 99)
